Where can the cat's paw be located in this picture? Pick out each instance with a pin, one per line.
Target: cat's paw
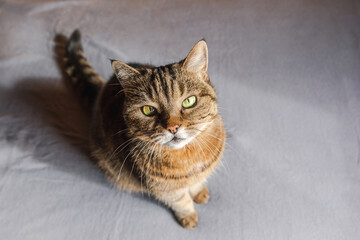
(190, 221)
(202, 197)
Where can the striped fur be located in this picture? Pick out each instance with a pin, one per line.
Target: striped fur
(130, 147)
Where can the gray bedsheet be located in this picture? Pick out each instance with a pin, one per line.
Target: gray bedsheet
(287, 76)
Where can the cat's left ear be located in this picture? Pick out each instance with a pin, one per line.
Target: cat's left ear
(197, 60)
(123, 71)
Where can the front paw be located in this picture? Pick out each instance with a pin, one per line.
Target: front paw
(188, 222)
(203, 196)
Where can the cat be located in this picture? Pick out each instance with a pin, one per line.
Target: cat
(153, 129)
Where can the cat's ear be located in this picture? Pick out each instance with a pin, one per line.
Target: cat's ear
(123, 71)
(197, 60)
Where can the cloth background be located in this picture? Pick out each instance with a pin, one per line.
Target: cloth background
(287, 77)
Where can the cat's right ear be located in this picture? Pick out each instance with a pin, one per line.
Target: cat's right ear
(197, 60)
(123, 71)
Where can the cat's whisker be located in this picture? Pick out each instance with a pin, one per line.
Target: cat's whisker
(222, 163)
(115, 151)
(204, 132)
(143, 167)
(199, 144)
(226, 144)
(154, 161)
(134, 162)
(121, 131)
(123, 161)
(160, 153)
(148, 165)
(216, 148)
(206, 145)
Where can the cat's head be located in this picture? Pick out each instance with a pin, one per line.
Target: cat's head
(169, 105)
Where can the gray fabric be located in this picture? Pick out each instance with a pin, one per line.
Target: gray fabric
(287, 76)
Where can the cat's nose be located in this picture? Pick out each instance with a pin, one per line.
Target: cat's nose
(173, 128)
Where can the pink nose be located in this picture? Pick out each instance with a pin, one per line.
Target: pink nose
(173, 128)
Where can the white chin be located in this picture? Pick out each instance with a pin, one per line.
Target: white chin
(178, 144)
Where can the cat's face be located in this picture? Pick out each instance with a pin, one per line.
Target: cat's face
(169, 105)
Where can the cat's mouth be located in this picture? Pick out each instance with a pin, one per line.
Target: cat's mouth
(177, 139)
(177, 142)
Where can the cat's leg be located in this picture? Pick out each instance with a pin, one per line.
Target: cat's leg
(199, 193)
(182, 204)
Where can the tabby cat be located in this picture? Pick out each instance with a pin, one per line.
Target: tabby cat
(154, 129)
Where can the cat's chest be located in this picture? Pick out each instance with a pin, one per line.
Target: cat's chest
(179, 170)
(190, 159)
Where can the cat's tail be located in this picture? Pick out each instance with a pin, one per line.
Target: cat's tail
(85, 81)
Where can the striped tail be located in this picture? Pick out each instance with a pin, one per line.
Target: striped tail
(85, 81)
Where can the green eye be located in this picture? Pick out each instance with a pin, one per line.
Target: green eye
(189, 102)
(148, 110)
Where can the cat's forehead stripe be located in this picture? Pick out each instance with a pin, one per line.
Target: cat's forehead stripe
(164, 84)
(158, 84)
(153, 84)
(181, 87)
(172, 77)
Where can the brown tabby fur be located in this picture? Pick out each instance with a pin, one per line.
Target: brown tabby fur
(125, 142)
